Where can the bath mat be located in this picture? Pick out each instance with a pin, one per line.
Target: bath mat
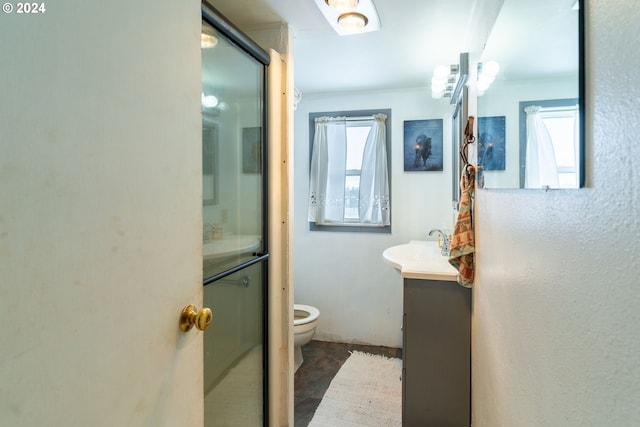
(366, 391)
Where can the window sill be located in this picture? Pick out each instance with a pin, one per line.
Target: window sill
(350, 227)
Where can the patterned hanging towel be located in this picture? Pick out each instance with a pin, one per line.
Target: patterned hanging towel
(463, 248)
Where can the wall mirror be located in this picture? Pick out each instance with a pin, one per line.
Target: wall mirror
(531, 97)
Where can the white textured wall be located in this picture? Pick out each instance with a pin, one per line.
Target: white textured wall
(556, 332)
(344, 274)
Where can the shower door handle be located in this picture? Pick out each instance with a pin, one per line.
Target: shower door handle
(190, 317)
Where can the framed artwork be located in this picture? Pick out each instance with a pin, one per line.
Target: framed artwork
(491, 143)
(251, 148)
(423, 145)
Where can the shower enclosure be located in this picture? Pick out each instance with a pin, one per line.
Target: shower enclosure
(234, 223)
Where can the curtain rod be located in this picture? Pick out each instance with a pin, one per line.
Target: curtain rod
(358, 119)
(349, 119)
(560, 108)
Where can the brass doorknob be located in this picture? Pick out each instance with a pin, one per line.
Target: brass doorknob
(190, 317)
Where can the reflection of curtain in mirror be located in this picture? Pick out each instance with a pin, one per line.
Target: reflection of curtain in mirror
(541, 169)
(576, 142)
(374, 177)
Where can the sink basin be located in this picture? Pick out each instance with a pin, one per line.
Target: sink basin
(420, 259)
(230, 245)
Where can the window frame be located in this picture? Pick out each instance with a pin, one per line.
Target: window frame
(354, 226)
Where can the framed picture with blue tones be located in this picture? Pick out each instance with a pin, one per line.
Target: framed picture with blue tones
(423, 145)
(491, 143)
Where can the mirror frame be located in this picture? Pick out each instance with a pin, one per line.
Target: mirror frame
(460, 100)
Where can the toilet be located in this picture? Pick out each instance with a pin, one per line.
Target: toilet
(305, 320)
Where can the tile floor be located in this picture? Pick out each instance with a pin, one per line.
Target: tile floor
(322, 360)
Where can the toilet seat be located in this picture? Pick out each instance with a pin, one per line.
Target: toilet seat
(308, 312)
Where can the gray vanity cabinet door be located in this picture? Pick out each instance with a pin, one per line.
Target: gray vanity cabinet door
(436, 354)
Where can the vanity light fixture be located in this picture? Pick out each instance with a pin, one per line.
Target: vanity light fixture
(444, 80)
(349, 17)
(449, 82)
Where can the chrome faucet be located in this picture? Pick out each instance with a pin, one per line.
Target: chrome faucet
(445, 241)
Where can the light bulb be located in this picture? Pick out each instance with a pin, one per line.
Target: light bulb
(439, 87)
(487, 78)
(441, 72)
(482, 86)
(343, 5)
(352, 21)
(209, 101)
(491, 68)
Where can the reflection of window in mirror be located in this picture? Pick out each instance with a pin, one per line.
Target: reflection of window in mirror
(561, 125)
(549, 143)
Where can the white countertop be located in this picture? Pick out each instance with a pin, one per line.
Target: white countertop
(420, 259)
(230, 245)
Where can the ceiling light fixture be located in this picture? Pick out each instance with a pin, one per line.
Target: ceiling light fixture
(352, 21)
(342, 5)
(348, 17)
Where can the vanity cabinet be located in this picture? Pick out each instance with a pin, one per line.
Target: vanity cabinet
(436, 372)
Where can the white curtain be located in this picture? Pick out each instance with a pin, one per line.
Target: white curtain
(540, 167)
(576, 142)
(328, 167)
(374, 176)
(328, 173)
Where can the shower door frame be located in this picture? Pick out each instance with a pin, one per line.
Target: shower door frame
(214, 18)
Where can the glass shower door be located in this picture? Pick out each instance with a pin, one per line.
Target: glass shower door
(234, 234)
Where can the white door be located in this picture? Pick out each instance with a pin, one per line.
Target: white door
(100, 214)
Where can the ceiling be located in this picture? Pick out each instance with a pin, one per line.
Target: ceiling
(412, 40)
(415, 37)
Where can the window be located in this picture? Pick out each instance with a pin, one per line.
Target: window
(357, 133)
(349, 174)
